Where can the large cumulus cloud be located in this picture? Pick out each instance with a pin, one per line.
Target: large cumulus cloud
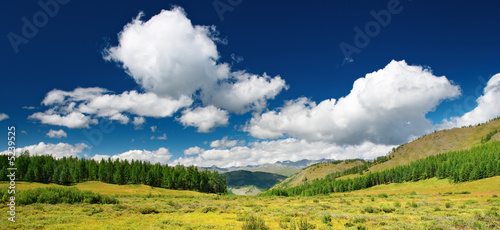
(384, 107)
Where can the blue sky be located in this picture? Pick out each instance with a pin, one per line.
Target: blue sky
(301, 100)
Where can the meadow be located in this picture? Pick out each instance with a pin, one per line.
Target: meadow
(427, 204)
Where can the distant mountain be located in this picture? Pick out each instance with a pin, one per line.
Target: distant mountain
(285, 168)
(250, 183)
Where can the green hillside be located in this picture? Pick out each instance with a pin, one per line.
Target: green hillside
(440, 142)
(317, 171)
(432, 144)
(482, 161)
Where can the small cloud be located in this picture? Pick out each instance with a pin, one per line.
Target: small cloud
(56, 134)
(236, 59)
(23, 131)
(223, 143)
(29, 107)
(3, 116)
(153, 128)
(132, 140)
(138, 122)
(193, 150)
(347, 60)
(163, 137)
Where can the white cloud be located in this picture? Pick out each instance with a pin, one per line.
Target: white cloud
(81, 107)
(169, 56)
(280, 150)
(29, 107)
(163, 137)
(488, 107)
(141, 104)
(24, 132)
(138, 122)
(223, 143)
(60, 97)
(153, 128)
(58, 150)
(193, 151)
(162, 155)
(245, 92)
(204, 118)
(3, 116)
(384, 107)
(71, 120)
(123, 119)
(56, 133)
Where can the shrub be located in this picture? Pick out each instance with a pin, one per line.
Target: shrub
(147, 210)
(348, 224)
(388, 209)
(254, 223)
(383, 195)
(326, 219)
(371, 209)
(359, 220)
(304, 225)
(413, 193)
(413, 204)
(463, 192)
(397, 204)
(437, 209)
(209, 209)
(372, 198)
(494, 196)
(448, 193)
(96, 210)
(447, 205)
(56, 195)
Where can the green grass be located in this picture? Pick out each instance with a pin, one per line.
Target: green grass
(435, 186)
(170, 209)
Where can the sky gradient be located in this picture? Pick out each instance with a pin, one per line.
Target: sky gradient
(233, 83)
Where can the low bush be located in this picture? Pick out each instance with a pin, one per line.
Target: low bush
(388, 209)
(254, 223)
(326, 219)
(148, 210)
(371, 209)
(359, 220)
(303, 224)
(56, 195)
(383, 195)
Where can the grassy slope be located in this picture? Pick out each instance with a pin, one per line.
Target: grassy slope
(486, 186)
(438, 142)
(111, 189)
(316, 171)
(432, 144)
(178, 211)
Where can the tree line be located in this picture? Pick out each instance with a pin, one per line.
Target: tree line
(458, 166)
(67, 170)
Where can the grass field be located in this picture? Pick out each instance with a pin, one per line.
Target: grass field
(429, 204)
